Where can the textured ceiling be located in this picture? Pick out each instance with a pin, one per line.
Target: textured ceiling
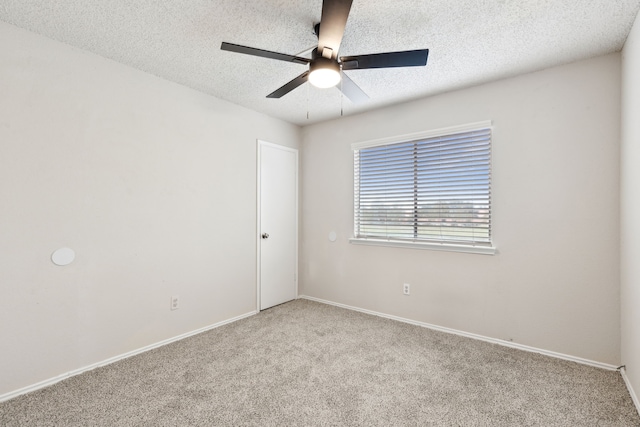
(470, 42)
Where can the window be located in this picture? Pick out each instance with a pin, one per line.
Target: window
(431, 189)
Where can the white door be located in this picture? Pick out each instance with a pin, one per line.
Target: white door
(277, 224)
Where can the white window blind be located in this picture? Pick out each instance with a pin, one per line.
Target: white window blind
(436, 189)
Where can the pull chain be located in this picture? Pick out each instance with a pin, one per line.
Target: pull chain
(341, 99)
(307, 100)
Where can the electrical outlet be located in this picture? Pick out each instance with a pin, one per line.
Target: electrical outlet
(175, 302)
(406, 289)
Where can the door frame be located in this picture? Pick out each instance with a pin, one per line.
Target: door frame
(259, 144)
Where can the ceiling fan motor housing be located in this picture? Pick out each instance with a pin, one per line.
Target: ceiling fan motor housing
(324, 72)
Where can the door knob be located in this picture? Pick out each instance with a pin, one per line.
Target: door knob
(265, 235)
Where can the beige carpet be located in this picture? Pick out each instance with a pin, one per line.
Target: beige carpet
(310, 364)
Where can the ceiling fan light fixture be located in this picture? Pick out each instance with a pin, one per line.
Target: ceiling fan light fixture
(324, 73)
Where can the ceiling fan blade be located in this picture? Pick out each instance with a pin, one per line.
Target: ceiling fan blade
(278, 93)
(407, 58)
(263, 53)
(332, 23)
(351, 90)
(306, 51)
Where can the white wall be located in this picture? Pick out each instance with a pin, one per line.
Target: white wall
(554, 284)
(630, 207)
(152, 184)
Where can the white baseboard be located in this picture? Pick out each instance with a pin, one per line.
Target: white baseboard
(110, 360)
(588, 362)
(634, 397)
(471, 335)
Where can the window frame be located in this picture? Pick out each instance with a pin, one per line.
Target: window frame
(484, 248)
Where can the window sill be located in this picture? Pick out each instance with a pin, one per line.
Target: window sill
(484, 250)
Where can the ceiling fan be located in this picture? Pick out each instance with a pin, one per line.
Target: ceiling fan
(326, 69)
